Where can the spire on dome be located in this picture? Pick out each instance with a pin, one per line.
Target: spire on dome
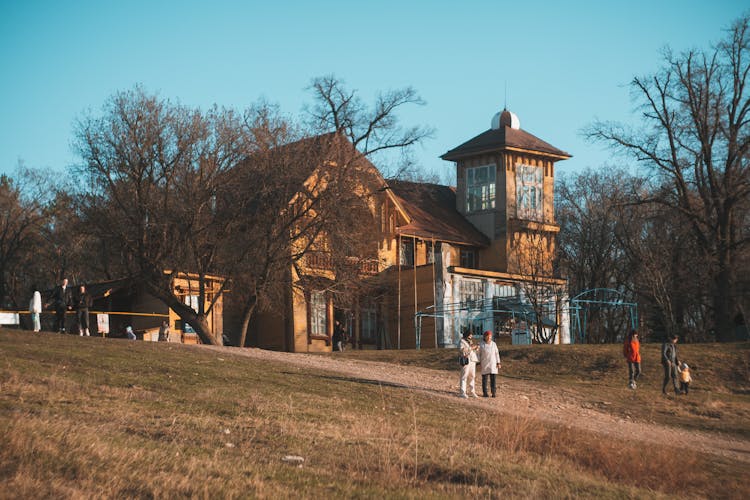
(505, 118)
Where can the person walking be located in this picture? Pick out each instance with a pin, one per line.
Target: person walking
(468, 365)
(489, 362)
(83, 302)
(670, 361)
(632, 352)
(338, 336)
(35, 308)
(62, 299)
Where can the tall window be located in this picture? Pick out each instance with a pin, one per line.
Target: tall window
(430, 251)
(480, 188)
(318, 314)
(407, 252)
(529, 190)
(369, 321)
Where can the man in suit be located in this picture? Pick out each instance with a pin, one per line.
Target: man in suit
(62, 298)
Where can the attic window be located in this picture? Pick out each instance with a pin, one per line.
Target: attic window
(480, 188)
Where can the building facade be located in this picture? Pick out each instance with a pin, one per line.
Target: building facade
(478, 256)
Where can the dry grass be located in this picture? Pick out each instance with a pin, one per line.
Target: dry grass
(85, 418)
(596, 375)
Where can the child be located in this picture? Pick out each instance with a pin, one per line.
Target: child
(685, 378)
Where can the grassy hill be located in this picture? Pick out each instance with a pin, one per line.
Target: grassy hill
(91, 417)
(597, 375)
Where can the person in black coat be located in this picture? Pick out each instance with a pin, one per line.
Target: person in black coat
(83, 302)
(62, 301)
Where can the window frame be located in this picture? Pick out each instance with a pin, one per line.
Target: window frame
(469, 258)
(481, 188)
(529, 192)
(318, 314)
(368, 314)
(407, 252)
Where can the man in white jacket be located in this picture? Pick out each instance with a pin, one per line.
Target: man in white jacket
(468, 370)
(489, 362)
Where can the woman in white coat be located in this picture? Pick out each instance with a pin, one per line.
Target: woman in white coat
(468, 370)
(35, 308)
(489, 362)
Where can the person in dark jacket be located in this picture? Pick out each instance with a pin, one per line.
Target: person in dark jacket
(670, 361)
(62, 301)
(338, 336)
(82, 303)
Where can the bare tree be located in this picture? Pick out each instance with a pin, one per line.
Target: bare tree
(532, 252)
(153, 177)
(23, 201)
(664, 269)
(588, 209)
(320, 206)
(696, 139)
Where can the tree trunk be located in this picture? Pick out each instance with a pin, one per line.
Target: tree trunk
(199, 322)
(247, 313)
(722, 309)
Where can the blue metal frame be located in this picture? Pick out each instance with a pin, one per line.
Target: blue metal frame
(512, 307)
(609, 297)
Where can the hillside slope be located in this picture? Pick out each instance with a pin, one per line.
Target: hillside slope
(83, 417)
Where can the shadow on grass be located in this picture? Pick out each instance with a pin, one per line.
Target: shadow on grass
(378, 383)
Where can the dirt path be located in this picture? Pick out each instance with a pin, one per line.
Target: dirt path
(515, 397)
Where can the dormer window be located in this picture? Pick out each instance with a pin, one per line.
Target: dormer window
(529, 192)
(480, 188)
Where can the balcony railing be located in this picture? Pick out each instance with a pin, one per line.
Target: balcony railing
(323, 261)
(319, 260)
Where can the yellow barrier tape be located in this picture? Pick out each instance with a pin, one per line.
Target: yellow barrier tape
(125, 313)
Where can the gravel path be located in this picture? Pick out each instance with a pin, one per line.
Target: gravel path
(515, 397)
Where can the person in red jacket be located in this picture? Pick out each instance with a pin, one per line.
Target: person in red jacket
(632, 351)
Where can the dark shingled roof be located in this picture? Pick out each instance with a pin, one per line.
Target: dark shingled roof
(502, 138)
(432, 209)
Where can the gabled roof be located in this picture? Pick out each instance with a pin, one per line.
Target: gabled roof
(504, 138)
(432, 212)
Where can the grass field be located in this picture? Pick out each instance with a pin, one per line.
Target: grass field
(719, 397)
(91, 417)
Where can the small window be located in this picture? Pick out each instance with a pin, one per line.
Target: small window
(469, 258)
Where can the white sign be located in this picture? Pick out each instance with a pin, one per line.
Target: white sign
(8, 318)
(102, 323)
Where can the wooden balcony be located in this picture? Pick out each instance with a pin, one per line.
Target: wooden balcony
(323, 261)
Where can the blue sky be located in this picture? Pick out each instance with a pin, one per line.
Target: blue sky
(564, 64)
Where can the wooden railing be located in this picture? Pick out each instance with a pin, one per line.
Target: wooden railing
(322, 260)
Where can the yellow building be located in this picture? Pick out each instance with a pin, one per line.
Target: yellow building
(126, 302)
(477, 256)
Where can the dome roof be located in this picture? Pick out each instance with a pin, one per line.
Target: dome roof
(505, 118)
